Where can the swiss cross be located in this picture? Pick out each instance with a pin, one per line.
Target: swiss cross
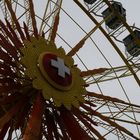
(60, 65)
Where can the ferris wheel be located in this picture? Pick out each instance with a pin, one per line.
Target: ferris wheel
(69, 70)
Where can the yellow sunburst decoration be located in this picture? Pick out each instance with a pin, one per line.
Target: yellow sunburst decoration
(53, 72)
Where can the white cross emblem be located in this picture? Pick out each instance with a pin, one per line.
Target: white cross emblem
(60, 65)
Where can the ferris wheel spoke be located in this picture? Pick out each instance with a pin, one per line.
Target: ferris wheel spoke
(49, 123)
(26, 29)
(51, 14)
(110, 129)
(5, 11)
(44, 17)
(6, 58)
(54, 28)
(4, 130)
(28, 14)
(88, 125)
(34, 24)
(14, 18)
(7, 46)
(112, 123)
(93, 72)
(55, 21)
(107, 74)
(76, 48)
(81, 43)
(122, 107)
(11, 36)
(74, 130)
(61, 126)
(108, 98)
(10, 113)
(126, 121)
(52, 128)
(33, 126)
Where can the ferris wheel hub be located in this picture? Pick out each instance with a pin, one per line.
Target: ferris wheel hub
(56, 72)
(53, 72)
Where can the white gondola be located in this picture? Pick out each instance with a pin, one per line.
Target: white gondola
(111, 20)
